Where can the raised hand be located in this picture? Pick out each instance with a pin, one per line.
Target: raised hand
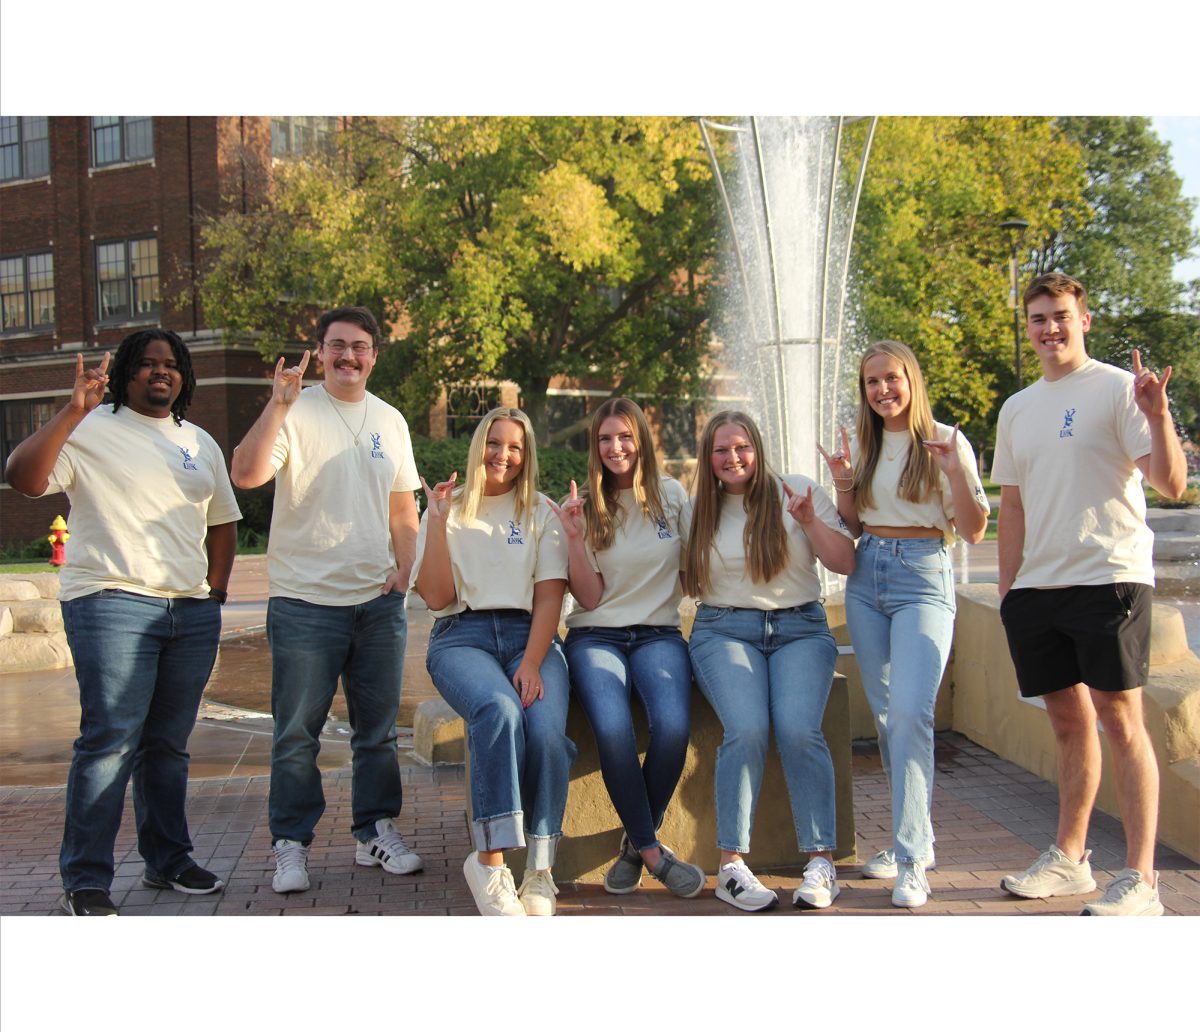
(839, 464)
(1149, 392)
(799, 507)
(287, 383)
(437, 499)
(89, 384)
(570, 514)
(945, 453)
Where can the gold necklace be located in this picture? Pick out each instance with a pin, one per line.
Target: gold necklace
(894, 456)
(336, 411)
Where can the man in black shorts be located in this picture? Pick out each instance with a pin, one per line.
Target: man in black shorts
(1076, 580)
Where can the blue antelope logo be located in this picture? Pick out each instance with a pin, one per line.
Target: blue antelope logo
(188, 461)
(376, 447)
(1068, 420)
(514, 533)
(663, 531)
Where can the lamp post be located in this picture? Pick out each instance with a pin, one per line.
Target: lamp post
(1016, 230)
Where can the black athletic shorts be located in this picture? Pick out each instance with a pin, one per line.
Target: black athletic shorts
(1098, 635)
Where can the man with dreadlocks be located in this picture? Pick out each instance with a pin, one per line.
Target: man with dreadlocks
(153, 535)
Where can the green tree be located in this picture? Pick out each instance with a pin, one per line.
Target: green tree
(509, 248)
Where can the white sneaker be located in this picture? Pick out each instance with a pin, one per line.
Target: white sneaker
(387, 850)
(537, 894)
(737, 886)
(1052, 874)
(819, 887)
(1127, 895)
(291, 866)
(883, 864)
(493, 889)
(912, 887)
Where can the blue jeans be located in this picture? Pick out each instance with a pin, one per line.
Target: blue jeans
(520, 758)
(142, 664)
(311, 646)
(605, 663)
(900, 613)
(764, 669)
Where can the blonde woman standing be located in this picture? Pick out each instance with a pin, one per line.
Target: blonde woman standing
(624, 541)
(903, 490)
(761, 649)
(492, 566)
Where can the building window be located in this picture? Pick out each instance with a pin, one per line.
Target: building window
(466, 405)
(24, 148)
(20, 419)
(296, 135)
(564, 411)
(121, 138)
(26, 292)
(127, 280)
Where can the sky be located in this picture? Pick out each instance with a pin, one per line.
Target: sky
(1183, 134)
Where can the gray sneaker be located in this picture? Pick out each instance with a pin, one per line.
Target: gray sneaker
(291, 866)
(1052, 874)
(686, 880)
(883, 865)
(625, 875)
(1127, 895)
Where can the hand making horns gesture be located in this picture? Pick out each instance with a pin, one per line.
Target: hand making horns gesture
(570, 515)
(437, 498)
(800, 507)
(839, 464)
(945, 453)
(89, 384)
(1149, 392)
(287, 383)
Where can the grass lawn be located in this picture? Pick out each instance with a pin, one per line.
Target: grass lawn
(34, 567)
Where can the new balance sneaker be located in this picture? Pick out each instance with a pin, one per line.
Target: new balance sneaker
(685, 880)
(625, 875)
(1052, 874)
(291, 866)
(537, 894)
(493, 889)
(387, 850)
(912, 887)
(195, 881)
(883, 865)
(88, 903)
(1127, 895)
(737, 886)
(819, 887)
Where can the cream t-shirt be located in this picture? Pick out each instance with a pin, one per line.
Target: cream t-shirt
(888, 509)
(641, 569)
(1070, 446)
(796, 584)
(330, 540)
(143, 494)
(495, 561)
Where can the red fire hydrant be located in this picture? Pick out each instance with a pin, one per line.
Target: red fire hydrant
(58, 551)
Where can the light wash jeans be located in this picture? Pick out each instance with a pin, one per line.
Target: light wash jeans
(764, 670)
(900, 613)
(311, 647)
(142, 664)
(520, 758)
(607, 664)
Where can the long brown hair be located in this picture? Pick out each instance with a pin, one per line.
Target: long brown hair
(921, 476)
(764, 539)
(603, 496)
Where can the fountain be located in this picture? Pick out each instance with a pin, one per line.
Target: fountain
(790, 202)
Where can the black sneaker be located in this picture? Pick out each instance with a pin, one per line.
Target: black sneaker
(195, 881)
(88, 903)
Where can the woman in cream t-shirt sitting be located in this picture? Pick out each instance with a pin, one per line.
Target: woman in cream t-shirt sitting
(492, 566)
(905, 486)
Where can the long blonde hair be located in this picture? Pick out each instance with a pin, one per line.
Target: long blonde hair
(469, 497)
(921, 476)
(603, 507)
(764, 539)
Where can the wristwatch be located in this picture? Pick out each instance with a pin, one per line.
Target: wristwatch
(221, 596)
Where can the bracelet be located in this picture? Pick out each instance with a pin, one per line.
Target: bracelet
(843, 490)
(842, 479)
(221, 596)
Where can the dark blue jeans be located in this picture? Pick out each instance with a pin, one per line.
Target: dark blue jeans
(142, 664)
(311, 647)
(605, 663)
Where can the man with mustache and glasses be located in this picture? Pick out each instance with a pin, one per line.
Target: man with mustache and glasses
(343, 537)
(153, 534)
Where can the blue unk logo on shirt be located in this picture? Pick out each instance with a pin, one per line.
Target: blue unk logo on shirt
(1068, 419)
(376, 447)
(663, 532)
(188, 461)
(514, 533)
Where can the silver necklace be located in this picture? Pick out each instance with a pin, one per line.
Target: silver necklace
(338, 413)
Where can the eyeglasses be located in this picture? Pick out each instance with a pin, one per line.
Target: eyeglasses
(339, 347)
